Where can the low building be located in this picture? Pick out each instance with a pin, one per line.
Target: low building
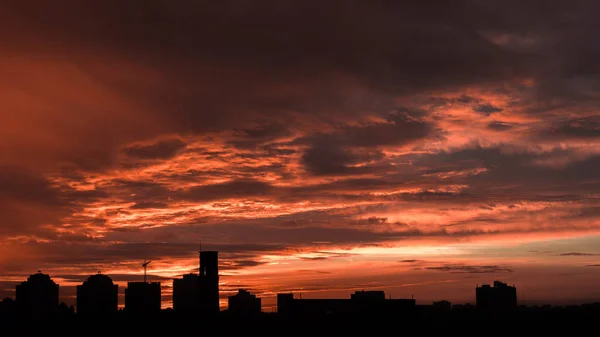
(143, 298)
(244, 304)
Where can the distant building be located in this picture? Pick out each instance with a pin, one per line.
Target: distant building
(500, 296)
(244, 304)
(142, 298)
(368, 295)
(442, 305)
(8, 308)
(361, 302)
(97, 296)
(37, 297)
(199, 292)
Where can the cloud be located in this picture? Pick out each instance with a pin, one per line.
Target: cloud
(148, 205)
(577, 254)
(499, 126)
(231, 189)
(484, 269)
(487, 109)
(161, 150)
(574, 128)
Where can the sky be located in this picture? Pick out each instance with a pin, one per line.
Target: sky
(322, 147)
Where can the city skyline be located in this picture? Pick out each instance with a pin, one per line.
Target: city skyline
(39, 296)
(321, 147)
(208, 268)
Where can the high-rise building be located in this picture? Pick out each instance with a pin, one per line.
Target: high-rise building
(209, 281)
(199, 292)
(500, 296)
(37, 297)
(142, 298)
(244, 304)
(97, 296)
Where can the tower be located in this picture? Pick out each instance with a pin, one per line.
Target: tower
(209, 281)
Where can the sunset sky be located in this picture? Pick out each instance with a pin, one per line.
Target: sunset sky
(322, 147)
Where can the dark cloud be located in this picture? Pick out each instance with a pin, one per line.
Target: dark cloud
(149, 205)
(59, 254)
(231, 189)
(408, 261)
(28, 200)
(540, 172)
(487, 108)
(577, 254)
(323, 159)
(576, 128)
(500, 126)
(18, 183)
(161, 150)
(484, 269)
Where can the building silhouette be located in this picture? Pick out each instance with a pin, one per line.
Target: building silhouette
(37, 297)
(186, 298)
(209, 281)
(142, 298)
(199, 292)
(97, 296)
(244, 304)
(8, 308)
(442, 305)
(500, 296)
(361, 302)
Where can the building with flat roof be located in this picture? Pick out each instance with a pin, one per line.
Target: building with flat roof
(361, 302)
(142, 298)
(499, 296)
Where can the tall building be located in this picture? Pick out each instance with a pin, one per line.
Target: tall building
(500, 296)
(244, 304)
(199, 292)
(97, 296)
(142, 298)
(37, 297)
(209, 281)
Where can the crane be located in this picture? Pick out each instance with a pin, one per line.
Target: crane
(145, 264)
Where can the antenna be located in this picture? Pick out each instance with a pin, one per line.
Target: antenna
(145, 264)
(199, 259)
